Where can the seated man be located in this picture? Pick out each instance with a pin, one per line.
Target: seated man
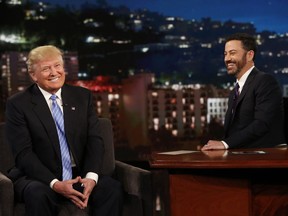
(53, 131)
(254, 116)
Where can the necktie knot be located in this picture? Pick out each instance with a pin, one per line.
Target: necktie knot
(53, 97)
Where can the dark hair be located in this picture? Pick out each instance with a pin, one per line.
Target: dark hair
(248, 41)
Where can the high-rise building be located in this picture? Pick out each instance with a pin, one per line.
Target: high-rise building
(71, 65)
(134, 112)
(216, 109)
(14, 73)
(181, 110)
(108, 102)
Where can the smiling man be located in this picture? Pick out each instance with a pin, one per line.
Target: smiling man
(254, 116)
(53, 130)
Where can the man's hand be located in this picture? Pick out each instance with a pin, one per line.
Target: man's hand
(88, 185)
(66, 189)
(212, 145)
(216, 153)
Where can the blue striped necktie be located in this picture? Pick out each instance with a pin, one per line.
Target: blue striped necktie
(65, 153)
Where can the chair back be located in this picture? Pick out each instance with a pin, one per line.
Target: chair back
(6, 157)
(106, 132)
(7, 160)
(285, 105)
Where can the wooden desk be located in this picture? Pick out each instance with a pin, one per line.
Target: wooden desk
(226, 182)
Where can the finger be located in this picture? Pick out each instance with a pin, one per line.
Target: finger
(78, 194)
(77, 201)
(207, 147)
(71, 181)
(77, 204)
(85, 201)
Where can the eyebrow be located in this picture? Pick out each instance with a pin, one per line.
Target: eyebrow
(47, 65)
(229, 51)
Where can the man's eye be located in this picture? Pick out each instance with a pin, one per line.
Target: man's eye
(45, 69)
(57, 66)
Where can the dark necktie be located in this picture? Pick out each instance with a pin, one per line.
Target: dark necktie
(65, 153)
(235, 97)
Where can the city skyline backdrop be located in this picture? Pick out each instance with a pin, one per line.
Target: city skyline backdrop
(265, 15)
(163, 77)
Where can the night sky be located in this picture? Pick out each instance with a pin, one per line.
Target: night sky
(265, 15)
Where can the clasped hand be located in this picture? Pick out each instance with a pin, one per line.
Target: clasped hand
(80, 199)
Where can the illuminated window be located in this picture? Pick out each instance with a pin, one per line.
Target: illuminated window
(174, 132)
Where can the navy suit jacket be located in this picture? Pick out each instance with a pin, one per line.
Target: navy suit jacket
(258, 119)
(32, 133)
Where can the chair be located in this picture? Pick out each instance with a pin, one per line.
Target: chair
(285, 105)
(136, 182)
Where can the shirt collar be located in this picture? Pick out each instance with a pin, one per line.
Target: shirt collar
(243, 79)
(47, 95)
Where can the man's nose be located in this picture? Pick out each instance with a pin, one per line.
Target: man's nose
(227, 57)
(53, 70)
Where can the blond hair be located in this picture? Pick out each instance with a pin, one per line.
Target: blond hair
(41, 53)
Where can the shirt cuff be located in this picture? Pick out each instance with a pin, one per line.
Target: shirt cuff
(225, 144)
(53, 182)
(93, 176)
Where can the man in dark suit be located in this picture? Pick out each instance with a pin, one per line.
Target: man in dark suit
(34, 134)
(254, 116)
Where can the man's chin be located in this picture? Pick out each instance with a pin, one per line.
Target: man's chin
(231, 72)
(53, 88)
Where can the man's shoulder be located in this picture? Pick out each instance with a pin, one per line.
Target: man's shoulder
(75, 88)
(75, 91)
(263, 81)
(22, 95)
(262, 75)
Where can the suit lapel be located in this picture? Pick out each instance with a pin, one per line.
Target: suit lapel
(247, 85)
(229, 116)
(70, 110)
(42, 111)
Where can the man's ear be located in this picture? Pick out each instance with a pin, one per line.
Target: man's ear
(32, 76)
(250, 55)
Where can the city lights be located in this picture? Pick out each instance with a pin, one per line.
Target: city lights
(143, 68)
(12, 38)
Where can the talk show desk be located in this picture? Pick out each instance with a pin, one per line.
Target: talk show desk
(227, 183)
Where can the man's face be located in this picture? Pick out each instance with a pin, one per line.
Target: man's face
(236, 58)
(49, 74)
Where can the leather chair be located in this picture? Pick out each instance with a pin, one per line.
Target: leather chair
(136, 182)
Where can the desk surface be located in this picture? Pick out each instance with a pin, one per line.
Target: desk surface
(235, 158)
